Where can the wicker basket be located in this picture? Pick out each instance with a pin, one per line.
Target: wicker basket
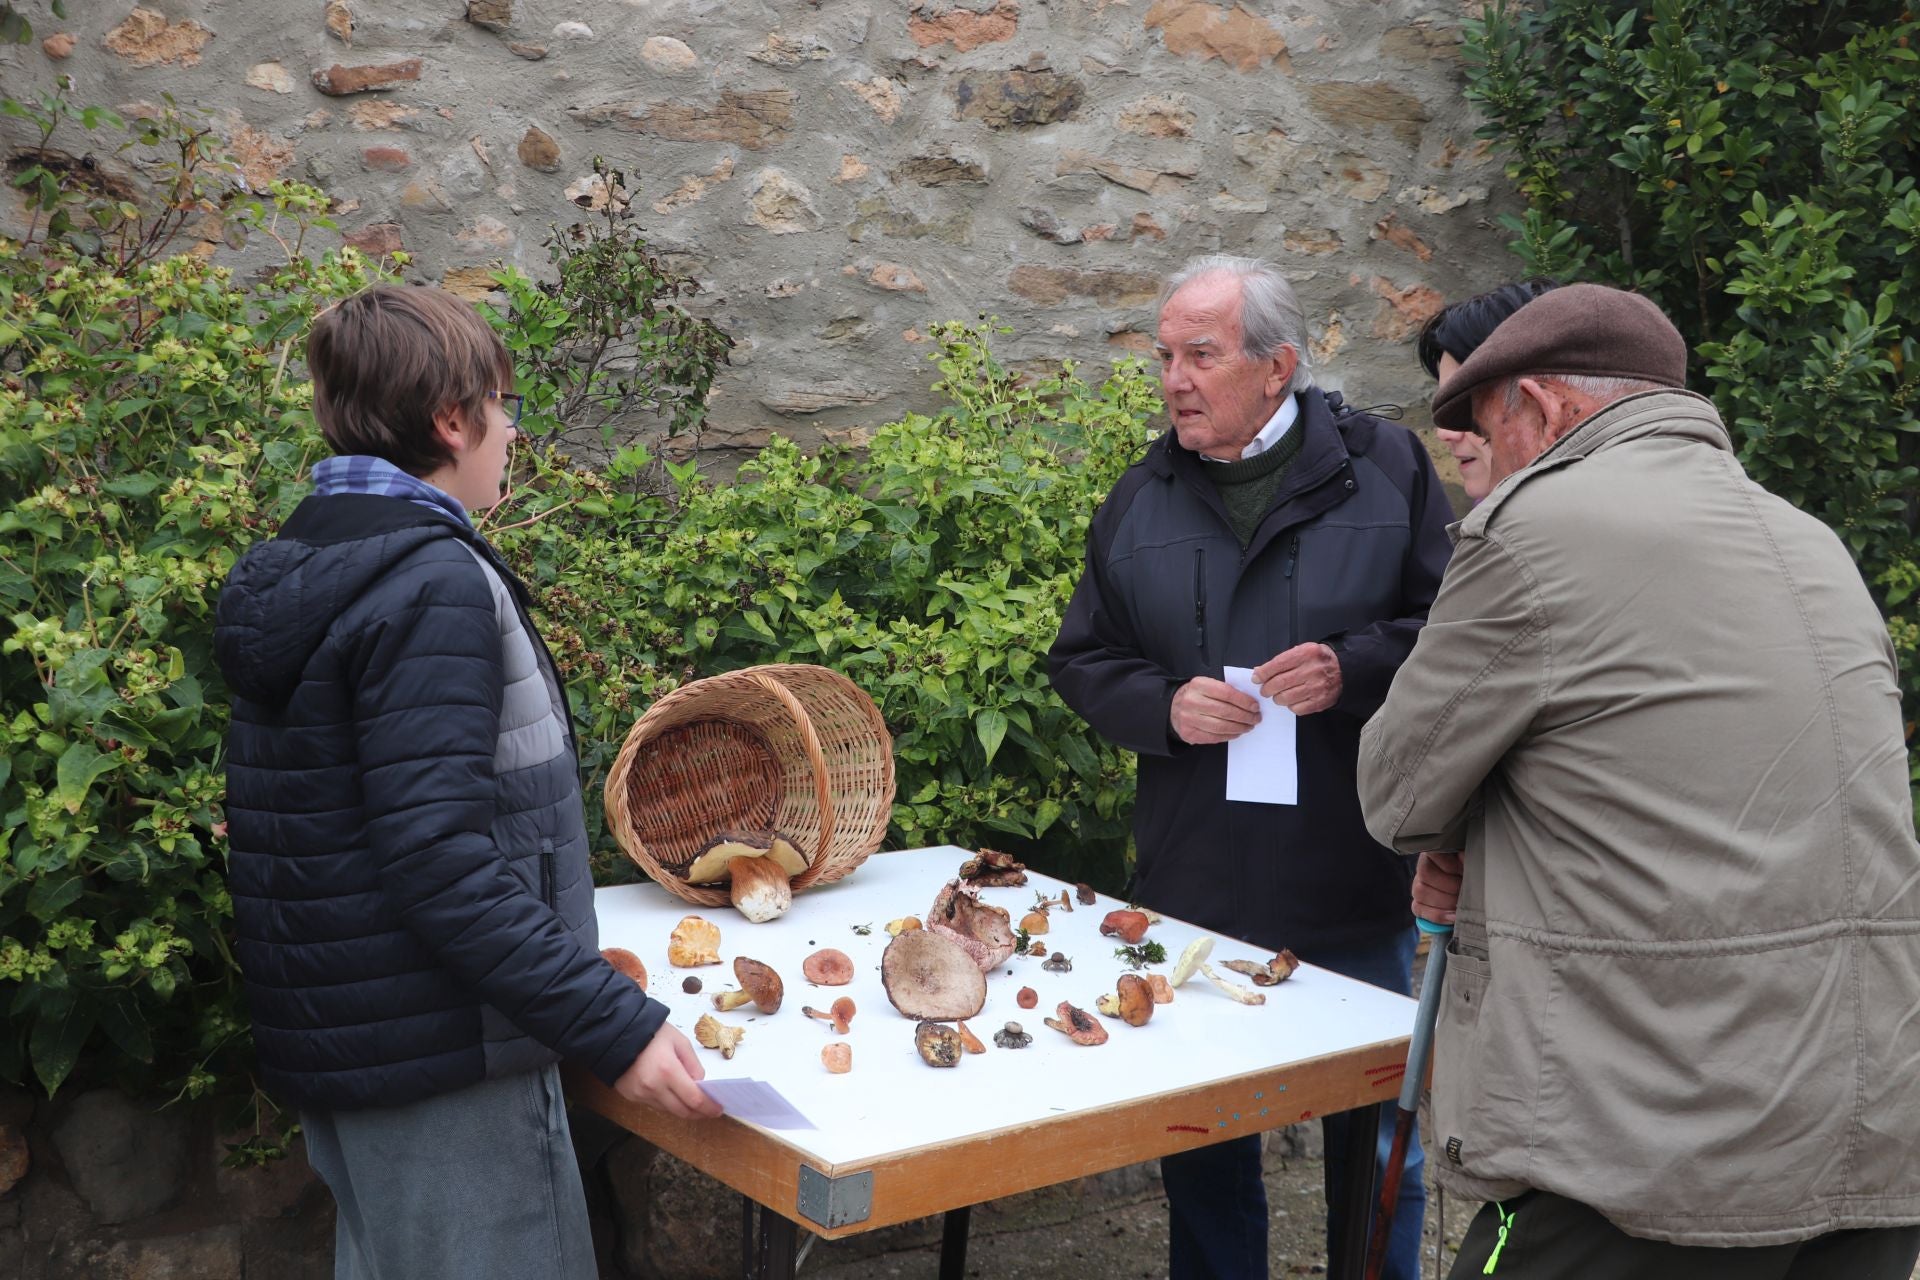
(790, 748)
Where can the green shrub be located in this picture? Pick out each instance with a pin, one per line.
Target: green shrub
(1752, 168)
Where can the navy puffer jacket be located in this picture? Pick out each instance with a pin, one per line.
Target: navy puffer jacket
(408, 853)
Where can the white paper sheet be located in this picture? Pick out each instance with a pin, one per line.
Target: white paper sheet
(756, 1102)
(1261, 765)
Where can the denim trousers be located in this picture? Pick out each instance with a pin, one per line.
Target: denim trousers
(1217, 1202)
(478, 1184)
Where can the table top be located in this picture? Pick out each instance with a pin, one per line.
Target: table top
(1203, 1068)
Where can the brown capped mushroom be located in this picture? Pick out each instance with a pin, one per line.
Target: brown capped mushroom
(905, 924)
(712, 1033)
(837, 1058)
(969, 1041)
(758, 984)
(694, 941)
(1135, 999)
(939, 1044)
(1128, 926)
(927, 975)
(1077, 1025)
(1065, 902)
(691, 986)
(1086, 894)
(983, 932)
(828, 968)
(991, 869)
(1038, 950)
(1028, 997)
(839, 1015)
(1268, 974)
(1012, 1036)
(1162, 989)
(626, 962)
(1035, 923)
(759, 866)
(1058, 963)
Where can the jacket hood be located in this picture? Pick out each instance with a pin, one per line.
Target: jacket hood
(284, 594)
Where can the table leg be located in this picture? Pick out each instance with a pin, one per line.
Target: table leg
(953, 1243)
(1349, 1260)
(767, 1250)
(749, 1255)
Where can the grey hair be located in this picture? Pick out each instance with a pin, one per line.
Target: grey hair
(1270, 316)
(1605, 390)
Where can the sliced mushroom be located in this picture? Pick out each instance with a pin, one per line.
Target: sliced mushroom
(759, 984)
(1012, 1036)
(1128, 926)
(1268, 974)
(1058, 963)
(626, 962)
(837, 1058)
(1191, 959)
(840, 1015)
(1077, 1025)
(1027, 998)
(1241, 994)
(905, 924)
(991, 869)
(715, 1034)
(969, 1041)
(1035, 923)
(1162, 989)
(939, 1044)
(927, 975)
(694, 941)
(828, 968)
(983, 932)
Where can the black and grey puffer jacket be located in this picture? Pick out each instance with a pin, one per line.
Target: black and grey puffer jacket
(408, 853)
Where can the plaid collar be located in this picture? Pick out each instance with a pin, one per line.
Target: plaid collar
(363, 473)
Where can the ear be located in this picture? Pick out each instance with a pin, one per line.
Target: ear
(1284, 361)
(450, 429)
(1552, 406)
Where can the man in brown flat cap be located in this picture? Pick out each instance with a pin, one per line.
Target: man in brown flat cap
(1655, 709)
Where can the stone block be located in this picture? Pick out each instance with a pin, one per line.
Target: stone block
(539, 150)
(875, 216)
(664, 53)
(895, 278)
(778, 203)
(941, 166)
(782, 50)
(338, 81)
(1051, 286)
(1159, 115)
(266, 1191)
(124, 1159)
(269, 77)
(146, 39)
(1016, 99)
(385, 159)
(964, 29)
(58, 46)
(1404, 311)
(493, 15)
(880, 94)
(753, 118)
(1237, 36)
(339, 20)
(15, 1159)
(1370, 105)
(1164, 181)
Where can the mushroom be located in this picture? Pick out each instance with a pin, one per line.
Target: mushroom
(1271, 973)
(1132, 1003)
(1012, 1036)
(839, 1015)
(905, 924)
(715, 1034)
(983, 932)
(1058, 963)
(1027, 998)
(1065, 901)
(1241, 994)
(1128, 926)
(693, 942)
(760, 868)
(626, 962)
(1077, 1025)
(1038, 950)
(928, 975)
(1034, 922)
(1085, 893)
(758, 983)
(969, 1041)
(1161, 989)
(827, 968)
(991, 869)
(837, 1057)
(691, 986)
(1192, 958)
(939, 1044)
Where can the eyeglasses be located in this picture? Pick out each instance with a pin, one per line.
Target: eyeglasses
(519, 403)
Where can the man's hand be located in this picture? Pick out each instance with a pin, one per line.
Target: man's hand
(1436, 887)
(663, 1077)
(1207, 710)
(1304, 679)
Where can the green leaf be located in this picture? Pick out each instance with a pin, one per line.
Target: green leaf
(990, 726)
(59, 1033)
(81, 764)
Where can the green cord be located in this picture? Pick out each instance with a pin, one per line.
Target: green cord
(1506, 1221)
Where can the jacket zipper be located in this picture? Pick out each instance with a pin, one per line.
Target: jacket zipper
(1200, 599)
(1293, 592)
(547, 893)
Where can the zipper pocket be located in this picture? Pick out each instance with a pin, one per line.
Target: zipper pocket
(1293, 592)
(1200, 600)
(547, 892)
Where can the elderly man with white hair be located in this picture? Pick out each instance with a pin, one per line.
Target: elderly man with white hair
(1276, 529)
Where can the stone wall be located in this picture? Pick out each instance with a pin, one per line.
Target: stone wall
(840, 173)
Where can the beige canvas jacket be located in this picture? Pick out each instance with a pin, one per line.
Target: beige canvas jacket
(1657, 708)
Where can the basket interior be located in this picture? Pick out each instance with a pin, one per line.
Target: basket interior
(699, 779)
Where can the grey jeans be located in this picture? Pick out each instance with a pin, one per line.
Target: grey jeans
(475, 1185)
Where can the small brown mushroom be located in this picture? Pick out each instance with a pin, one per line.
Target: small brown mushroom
(626, 962)
(691, 986)
(1162, 989)
(1038, 950)
(1085, 893)
(827, 967)
(927, 975)
(939, 1044)
(1077, 1025)
(1136, 1000)
(905, 924)
(1035, 923)
(759, 984)
(1268, 973)
(1128, 926)
(969, 1041)
(991, 869)
(1064, 902)
(1028, 997)
(1012, 1036)
(715, 1034)
(1058, 963)
(837, 1057)
(840, 1015)
(694, 941)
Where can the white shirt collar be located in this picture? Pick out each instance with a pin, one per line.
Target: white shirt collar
(1270, 435)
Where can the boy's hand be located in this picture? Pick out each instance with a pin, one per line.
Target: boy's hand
(1436, 886)
(663, 1077)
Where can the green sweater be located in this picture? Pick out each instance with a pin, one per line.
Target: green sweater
(1247, 487)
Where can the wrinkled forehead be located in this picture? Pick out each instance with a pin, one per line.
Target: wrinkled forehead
(1202, 313)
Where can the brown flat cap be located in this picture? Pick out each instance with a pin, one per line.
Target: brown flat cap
(1585, 330)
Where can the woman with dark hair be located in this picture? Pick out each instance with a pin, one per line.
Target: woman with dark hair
(1447, 340)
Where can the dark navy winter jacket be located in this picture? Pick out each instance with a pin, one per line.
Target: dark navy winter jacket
(1349, 553)
(408, 853)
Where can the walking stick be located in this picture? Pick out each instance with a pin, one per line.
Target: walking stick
(1417, 1055)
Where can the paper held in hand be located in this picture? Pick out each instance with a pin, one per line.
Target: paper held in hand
(1261, 765)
